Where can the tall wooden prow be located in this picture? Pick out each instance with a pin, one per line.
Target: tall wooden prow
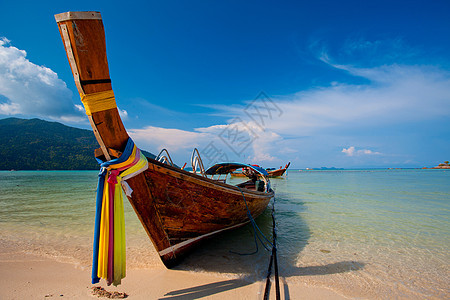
(84, 41)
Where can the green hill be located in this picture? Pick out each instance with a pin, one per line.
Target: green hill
(40, 145)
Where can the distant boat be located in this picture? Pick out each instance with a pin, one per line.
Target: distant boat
(278, 172)
(271, 171)
(177, 208)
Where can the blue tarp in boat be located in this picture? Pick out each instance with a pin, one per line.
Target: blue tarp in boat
(225, 168)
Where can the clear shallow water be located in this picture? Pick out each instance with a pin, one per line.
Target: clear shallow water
(362, 233)
(368, 232)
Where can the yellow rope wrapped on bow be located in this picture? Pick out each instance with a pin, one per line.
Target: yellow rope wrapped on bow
(100, 101)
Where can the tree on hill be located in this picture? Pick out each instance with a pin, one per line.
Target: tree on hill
(40, 145)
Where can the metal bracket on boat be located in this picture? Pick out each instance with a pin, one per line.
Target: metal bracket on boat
(164, 158)
(197, 163)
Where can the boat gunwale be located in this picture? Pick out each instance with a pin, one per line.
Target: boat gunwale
(207, 181)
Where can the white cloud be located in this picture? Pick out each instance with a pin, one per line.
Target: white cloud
(397, 94)
(394, 94)
(242, 141)
(351, 151)
(30, 89)
(248, 139)
(80, 108)
(123, 113)
(157, 138)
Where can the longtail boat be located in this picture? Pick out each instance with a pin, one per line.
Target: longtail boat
(177, 208)
(271, 172)
(278, 172)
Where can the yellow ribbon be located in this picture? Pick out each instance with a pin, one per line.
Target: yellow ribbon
(100, 101)
(119, 236)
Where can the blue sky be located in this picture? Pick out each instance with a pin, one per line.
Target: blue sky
(349, 84)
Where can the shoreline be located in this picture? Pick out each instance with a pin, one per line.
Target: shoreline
(30, 276)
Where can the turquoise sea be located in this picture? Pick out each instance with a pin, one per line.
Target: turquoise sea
(362, 233)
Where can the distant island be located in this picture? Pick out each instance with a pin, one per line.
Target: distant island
(325, 169)
(444, 165)
(34, 144)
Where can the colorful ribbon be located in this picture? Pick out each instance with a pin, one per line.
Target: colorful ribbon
(109, 259)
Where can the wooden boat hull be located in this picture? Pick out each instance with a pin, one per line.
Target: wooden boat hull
(209, 207)
(277, 173)
(272, 173)
(178, 209)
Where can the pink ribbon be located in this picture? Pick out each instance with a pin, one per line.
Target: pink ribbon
(112, 180)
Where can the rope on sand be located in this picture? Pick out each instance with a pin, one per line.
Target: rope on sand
(273, 258)
(257, 232)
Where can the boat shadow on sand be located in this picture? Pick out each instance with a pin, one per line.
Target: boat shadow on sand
(228, 254)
